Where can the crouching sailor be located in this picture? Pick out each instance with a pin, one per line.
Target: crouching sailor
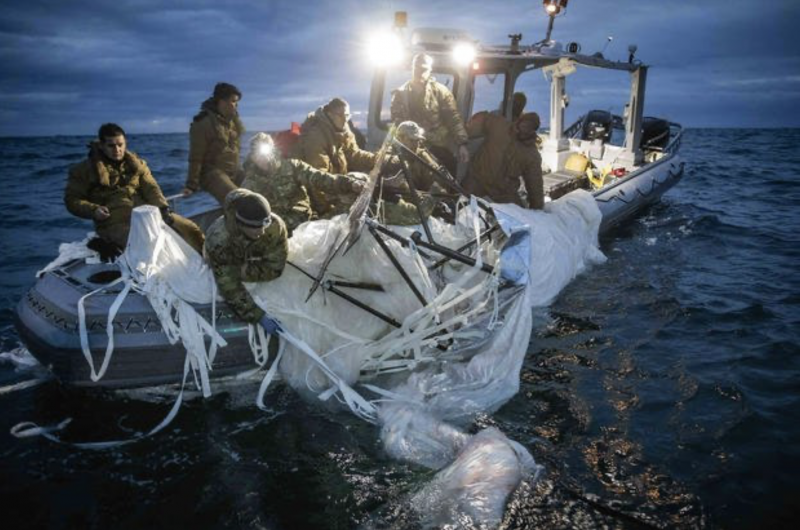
(297, 191)
(109, 184)
(246, 244)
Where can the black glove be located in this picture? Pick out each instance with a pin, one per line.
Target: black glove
(166, 215)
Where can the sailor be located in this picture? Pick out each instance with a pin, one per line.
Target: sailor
(327, 143)
(412, 137)
(246, 244)
(430, 104)
(296, 191)
(518, 102)
(214, 144)
(509, 151)
(109, 184)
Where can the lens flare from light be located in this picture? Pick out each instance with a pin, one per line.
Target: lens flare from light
(265, 149)
(463, 53)
(385, 49)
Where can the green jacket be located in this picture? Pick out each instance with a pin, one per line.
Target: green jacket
(434, 110)
(298, 193)
(501, 161)
(323, 147)
(120, 187)
(236, 259)
(213, 145)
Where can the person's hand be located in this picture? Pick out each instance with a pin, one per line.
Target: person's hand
(166, 215)
(186, 192)
(463, 154)
(101, 213)
(270, 325)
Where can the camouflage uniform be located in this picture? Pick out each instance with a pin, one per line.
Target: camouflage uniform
(235, 259)
(214, 152)
(120, 187)
(298, 193)
(500, 162)
(434, 110)
(323, 147)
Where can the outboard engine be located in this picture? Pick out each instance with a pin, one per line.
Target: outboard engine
(655, 133)
(597, 125)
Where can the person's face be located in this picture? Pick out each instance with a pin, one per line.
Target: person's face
(113, 147)
(228, 107)
(339, 117)
(421, 72)
(252, 232)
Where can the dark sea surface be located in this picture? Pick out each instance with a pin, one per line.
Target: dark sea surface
(664, 390)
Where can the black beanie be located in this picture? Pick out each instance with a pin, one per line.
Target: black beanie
(226, 90)
(252, 210)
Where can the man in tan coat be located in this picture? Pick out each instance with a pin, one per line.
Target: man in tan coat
(509, 152)
(113, 181)
(214, 138)
(327, 143)
(430, 104)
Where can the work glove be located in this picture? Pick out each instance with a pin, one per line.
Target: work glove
(166, 215)
(355, 182)
(270, 325)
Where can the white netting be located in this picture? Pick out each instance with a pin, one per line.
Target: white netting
(330, 344)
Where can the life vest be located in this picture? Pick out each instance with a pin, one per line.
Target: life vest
(284, 140)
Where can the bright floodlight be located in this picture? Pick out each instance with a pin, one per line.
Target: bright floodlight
(463, 53)
(265, 149)
(385, 49)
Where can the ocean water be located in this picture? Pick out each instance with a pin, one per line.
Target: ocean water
(663, 390)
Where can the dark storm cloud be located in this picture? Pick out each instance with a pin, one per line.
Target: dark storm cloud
(68, 66)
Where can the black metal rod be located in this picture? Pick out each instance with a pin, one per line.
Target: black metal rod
(397, 266)
(444, 251)
(414, 196)
(327, 285)
(464, 247)
(362, 305)
(452, 254)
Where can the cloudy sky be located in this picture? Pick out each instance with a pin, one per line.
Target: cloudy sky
(147, 64)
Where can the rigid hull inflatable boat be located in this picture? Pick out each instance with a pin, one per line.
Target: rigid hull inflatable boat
(623, 163)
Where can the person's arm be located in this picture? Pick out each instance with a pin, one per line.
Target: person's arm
(149, 189)
(198, 144)
(276, 252)
(534, 182)
(357, 159)
(76, 193)
(399, 106)
(314, 149)
(233, 291)
(450, 116)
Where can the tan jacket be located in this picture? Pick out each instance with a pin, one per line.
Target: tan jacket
(213, 146)
(434, 110)
(120, 187)
(323, 147)
(496, 168)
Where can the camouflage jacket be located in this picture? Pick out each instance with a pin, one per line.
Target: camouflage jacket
(501, 161)
(120, 187)
(323, 147)
(298, 193)
(213, 145)
(236, 259)
(434, 110)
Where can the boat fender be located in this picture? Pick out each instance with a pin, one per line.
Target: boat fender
(577, 162)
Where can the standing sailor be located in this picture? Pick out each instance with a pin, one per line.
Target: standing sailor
(431, 105)
(509, 152)
(109, 184)
(214, 138)
(246, 244)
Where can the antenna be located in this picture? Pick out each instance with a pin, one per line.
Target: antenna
(608, 41)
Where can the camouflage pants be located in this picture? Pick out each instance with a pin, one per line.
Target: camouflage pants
(190, 232)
